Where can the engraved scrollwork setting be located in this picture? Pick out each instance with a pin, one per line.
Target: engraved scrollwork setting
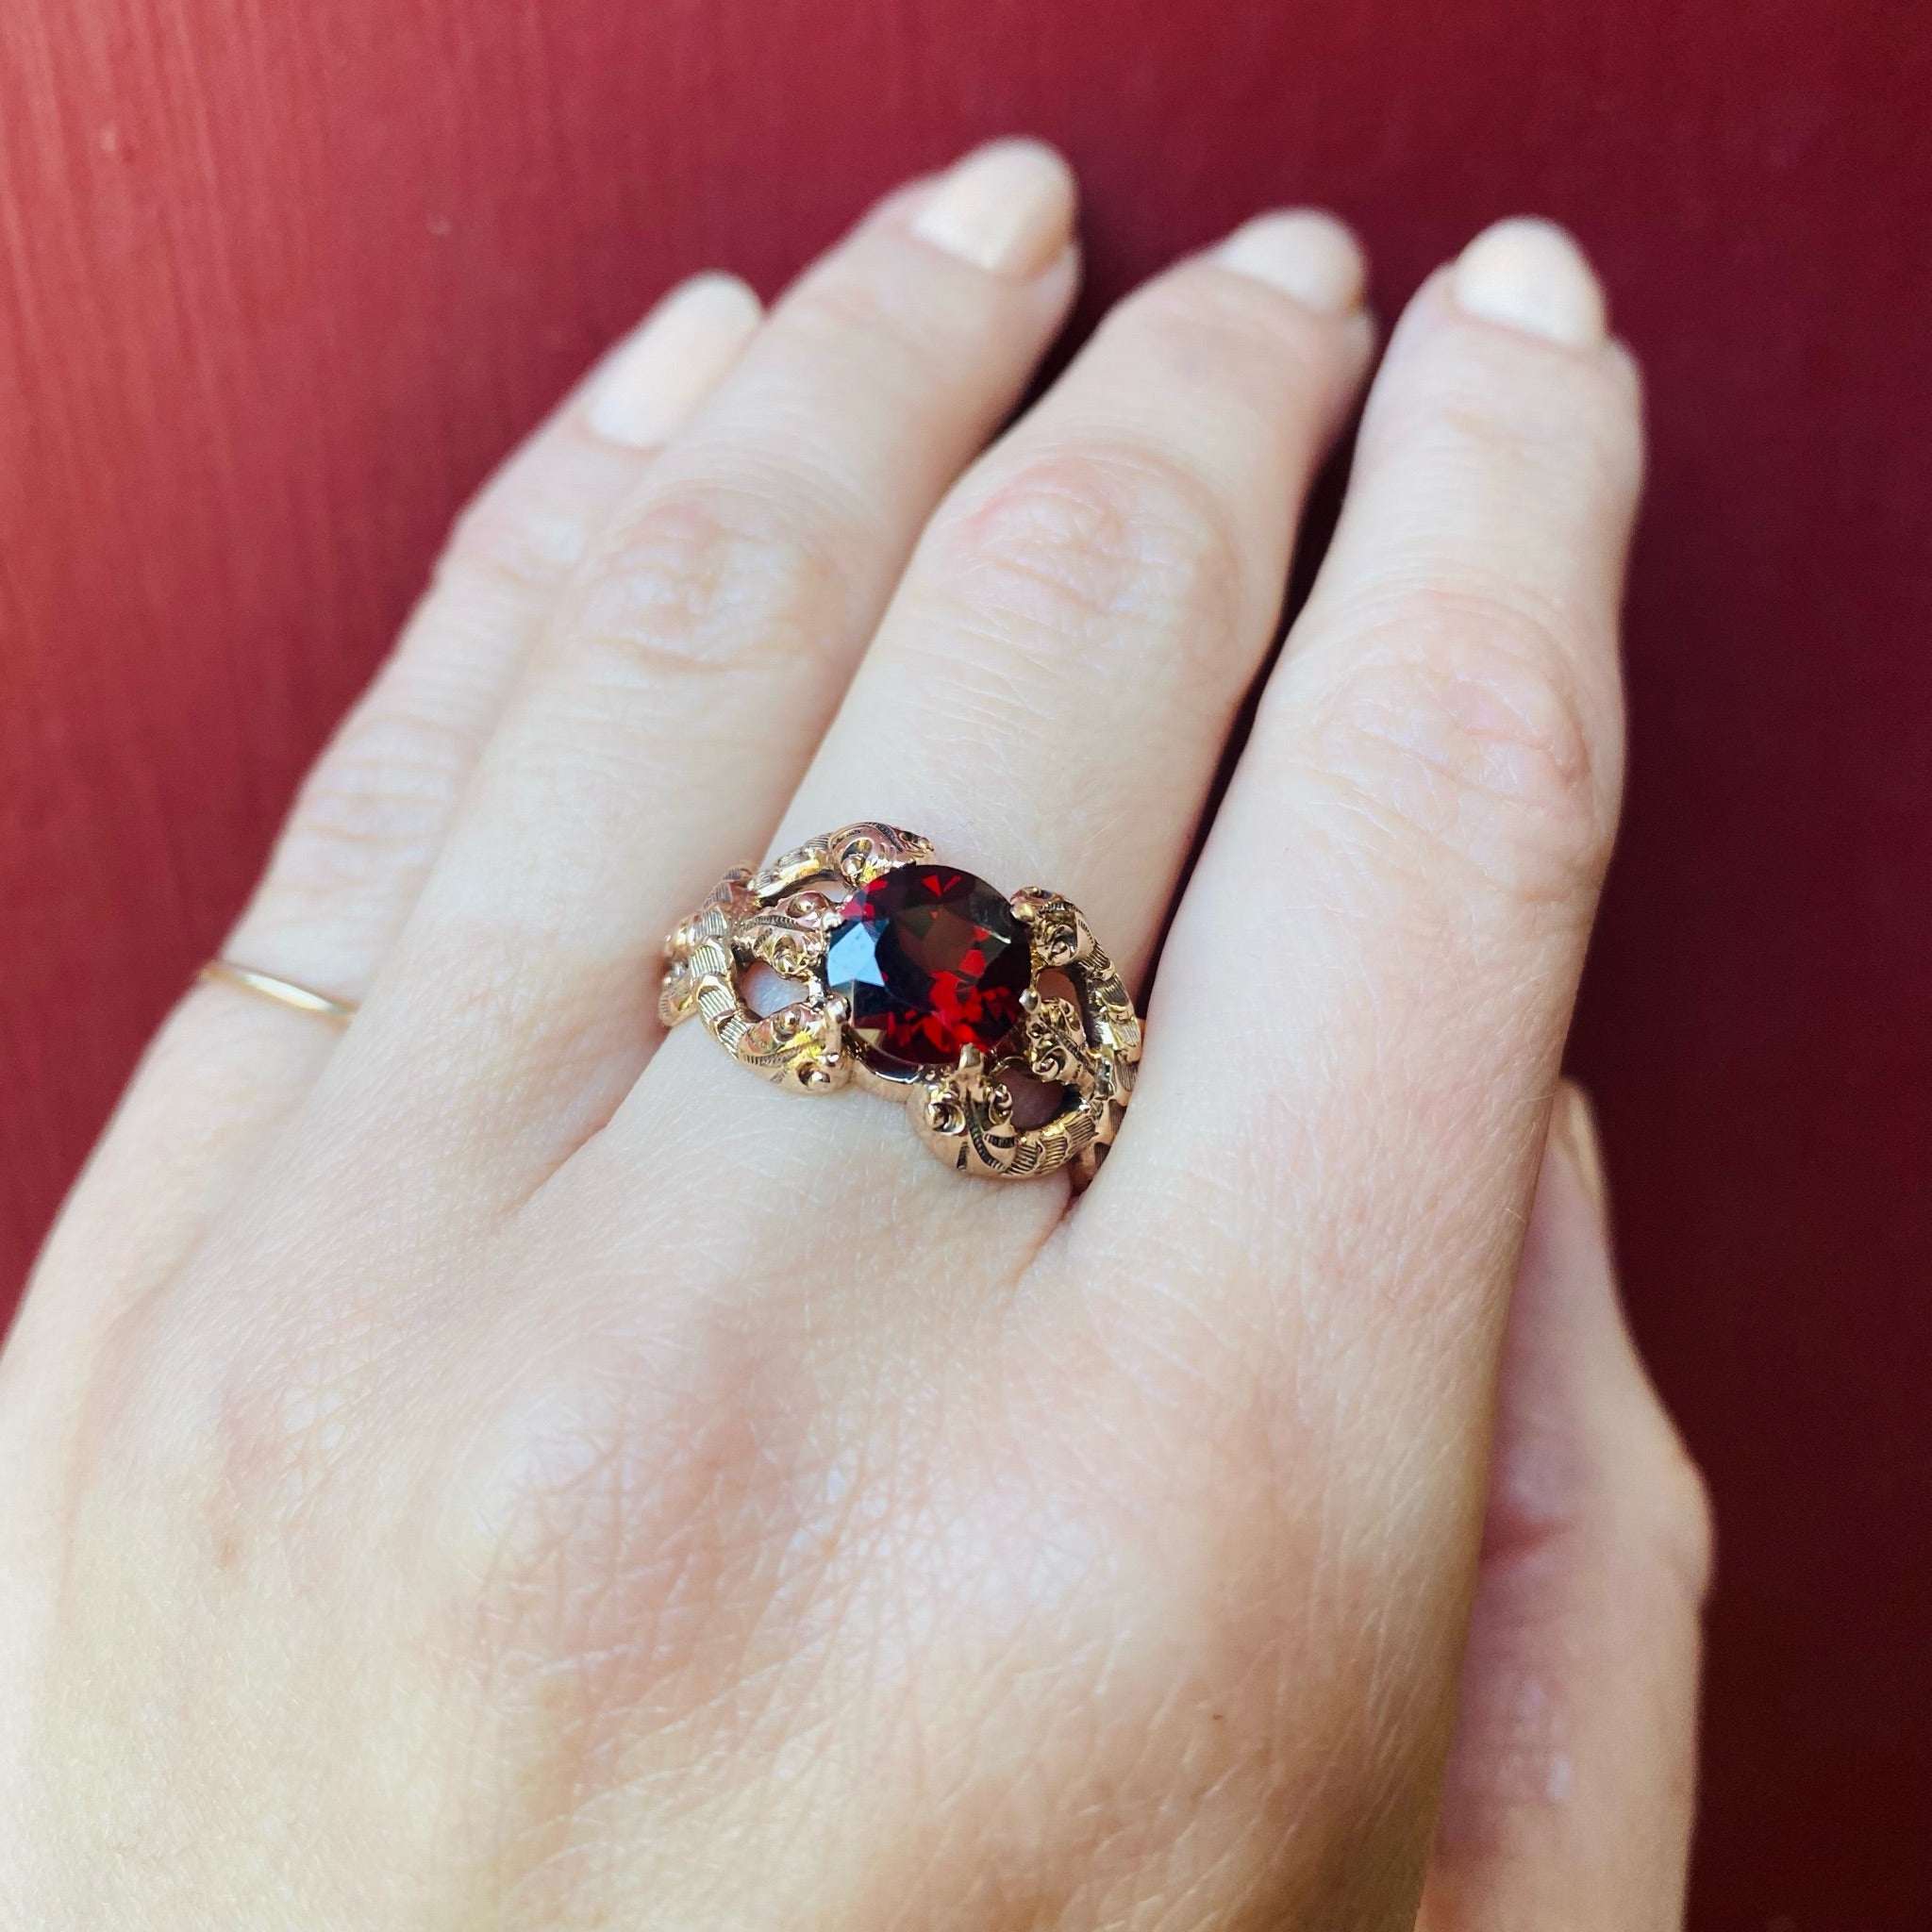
(1076, 1031)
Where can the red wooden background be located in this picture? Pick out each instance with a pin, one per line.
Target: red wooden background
(278, 283)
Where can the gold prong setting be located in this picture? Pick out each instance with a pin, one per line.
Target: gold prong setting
(785, 916)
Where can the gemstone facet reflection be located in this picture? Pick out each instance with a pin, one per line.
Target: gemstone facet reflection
(929, 960)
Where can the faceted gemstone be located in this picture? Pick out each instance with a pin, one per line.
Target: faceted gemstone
(929, 960)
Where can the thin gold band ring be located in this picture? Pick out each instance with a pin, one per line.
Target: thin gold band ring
(284, 991)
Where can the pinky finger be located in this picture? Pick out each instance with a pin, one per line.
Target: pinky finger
(227, 1069)
(1568, 1797)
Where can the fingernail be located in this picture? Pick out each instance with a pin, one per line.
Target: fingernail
(675, 360)
(1305, 254)
(1572, 1128)
(1008, 207)
(1530, 276)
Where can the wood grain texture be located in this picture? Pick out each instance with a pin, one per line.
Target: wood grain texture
(278, 284)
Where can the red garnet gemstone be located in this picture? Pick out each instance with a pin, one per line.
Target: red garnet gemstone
(929, 959)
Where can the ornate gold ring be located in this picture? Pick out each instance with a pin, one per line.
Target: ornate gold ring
(922, 983)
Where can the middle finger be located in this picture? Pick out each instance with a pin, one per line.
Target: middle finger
(1050, 693)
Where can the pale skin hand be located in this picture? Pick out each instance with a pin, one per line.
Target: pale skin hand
(500, 1467)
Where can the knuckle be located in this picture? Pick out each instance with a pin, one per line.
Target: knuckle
(1570, 430)
(1096, 546)
(1677, 1525)
(628, 1534)
(1559, 448)
(1205, 326)
(1458, 727)
(546, 1514)
(286, 1427)
(378, 801)
(720, 577)
(237, 1456)
(865, 309)
(512, 540)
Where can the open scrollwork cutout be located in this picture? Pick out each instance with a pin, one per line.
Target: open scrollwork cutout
(1078, 1030)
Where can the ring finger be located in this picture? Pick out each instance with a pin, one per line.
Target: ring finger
(1050, 694)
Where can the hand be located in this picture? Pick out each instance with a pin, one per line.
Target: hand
(499, 1466)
